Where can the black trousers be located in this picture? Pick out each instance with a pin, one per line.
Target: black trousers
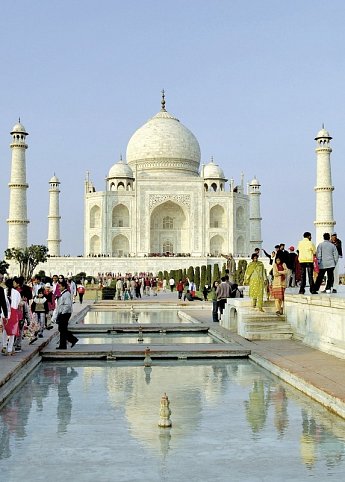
(65, 334)
(307, 268)
(320, 276)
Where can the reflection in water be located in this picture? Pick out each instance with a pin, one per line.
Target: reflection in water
(151, 339)
(141, 317)
(256, 406)
(97, 410)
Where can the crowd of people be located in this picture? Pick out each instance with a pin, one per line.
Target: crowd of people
(27, 310)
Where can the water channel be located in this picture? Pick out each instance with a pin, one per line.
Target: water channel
(231, 421)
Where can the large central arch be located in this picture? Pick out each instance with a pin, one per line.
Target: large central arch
(169, 226)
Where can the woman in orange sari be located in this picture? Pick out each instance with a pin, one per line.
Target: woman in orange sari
(279, 284)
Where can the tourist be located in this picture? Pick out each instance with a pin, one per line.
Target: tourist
(48, 294)
(179, 289)
(10, 325)
(39, 308)
(205, 291)
(72, 288)
(119, 289)
(327, 257)
(63, 314)
(230, 266)
(36, 285)
(280, 271)
(137, 288)
(23, 318)
(291, 276)
(4, 310)
(255, 277)
(273, 254)
(80, 291)
(164, 285)
(223, 293)
(336, 241)
(214, 301)
(171, 284)
(306, 252)
(189, 297)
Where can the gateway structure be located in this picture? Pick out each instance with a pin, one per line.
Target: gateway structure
(160, 201)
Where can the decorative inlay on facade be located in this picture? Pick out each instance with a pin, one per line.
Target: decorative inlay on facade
(155, 199)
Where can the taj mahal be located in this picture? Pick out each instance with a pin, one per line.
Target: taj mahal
(162, 208)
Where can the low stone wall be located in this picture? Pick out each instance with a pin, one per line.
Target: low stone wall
(318, 321)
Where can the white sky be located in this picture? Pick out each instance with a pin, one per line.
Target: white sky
(253, 80)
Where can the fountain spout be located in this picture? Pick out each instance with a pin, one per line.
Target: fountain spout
(164, 412)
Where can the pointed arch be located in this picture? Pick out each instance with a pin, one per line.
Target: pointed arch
(120, 246)
(120, 216)
(95, 245)
(217, 245)
(217, 217)
(95, 217)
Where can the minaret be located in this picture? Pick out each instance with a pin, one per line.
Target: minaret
(324, 222)
(17, 219)
(54, 218)
(255, 240)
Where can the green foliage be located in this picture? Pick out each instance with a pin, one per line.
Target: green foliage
(223, 269)
(41, 274)
(208, 274)
(241, 269)
(190, 273)
(166, 275)
(28, 258)
(180, 275)
(203, 276)
(160, 275)
(197, 278)
(216, 273)
(184, 274)
(3, 267)
(80, 275)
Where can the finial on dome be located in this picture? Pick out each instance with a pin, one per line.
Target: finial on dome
(323, 125)
(163, 100)
(121, 157)
(19, 119)
(212, 159)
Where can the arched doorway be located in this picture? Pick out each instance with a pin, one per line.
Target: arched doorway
(120, 246)
(217, 245)
(169, 229)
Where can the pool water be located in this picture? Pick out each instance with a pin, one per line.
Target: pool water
(148, 339)
(136, 317)
(231, 421)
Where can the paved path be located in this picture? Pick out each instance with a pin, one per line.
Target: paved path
(320, 375)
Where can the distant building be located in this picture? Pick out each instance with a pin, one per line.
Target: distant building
(159, 201)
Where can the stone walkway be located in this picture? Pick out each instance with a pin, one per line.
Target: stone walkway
(319, 375)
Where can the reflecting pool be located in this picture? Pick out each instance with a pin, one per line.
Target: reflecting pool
(137, 317)
(231, 421)
(148, 339)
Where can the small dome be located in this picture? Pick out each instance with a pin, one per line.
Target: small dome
(54, 179)
(213, 171)
(19, 128)
(120, 169)
(323, 133)
(254, 182)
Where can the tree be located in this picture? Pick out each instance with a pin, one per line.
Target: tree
(3, 267)
(223, 269)
(216, 274)
(197, 277)
(190, 273)
(241, 269)
(28, 258)
(160, 275)
(209, 274)
(203, 276)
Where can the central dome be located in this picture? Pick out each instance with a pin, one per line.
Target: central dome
(163, 146)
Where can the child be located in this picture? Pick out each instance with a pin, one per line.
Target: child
(40, 308)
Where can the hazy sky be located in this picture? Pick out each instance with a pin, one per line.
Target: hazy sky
(253, 80)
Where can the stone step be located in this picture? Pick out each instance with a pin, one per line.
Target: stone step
(268, 326)
(253, 335)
